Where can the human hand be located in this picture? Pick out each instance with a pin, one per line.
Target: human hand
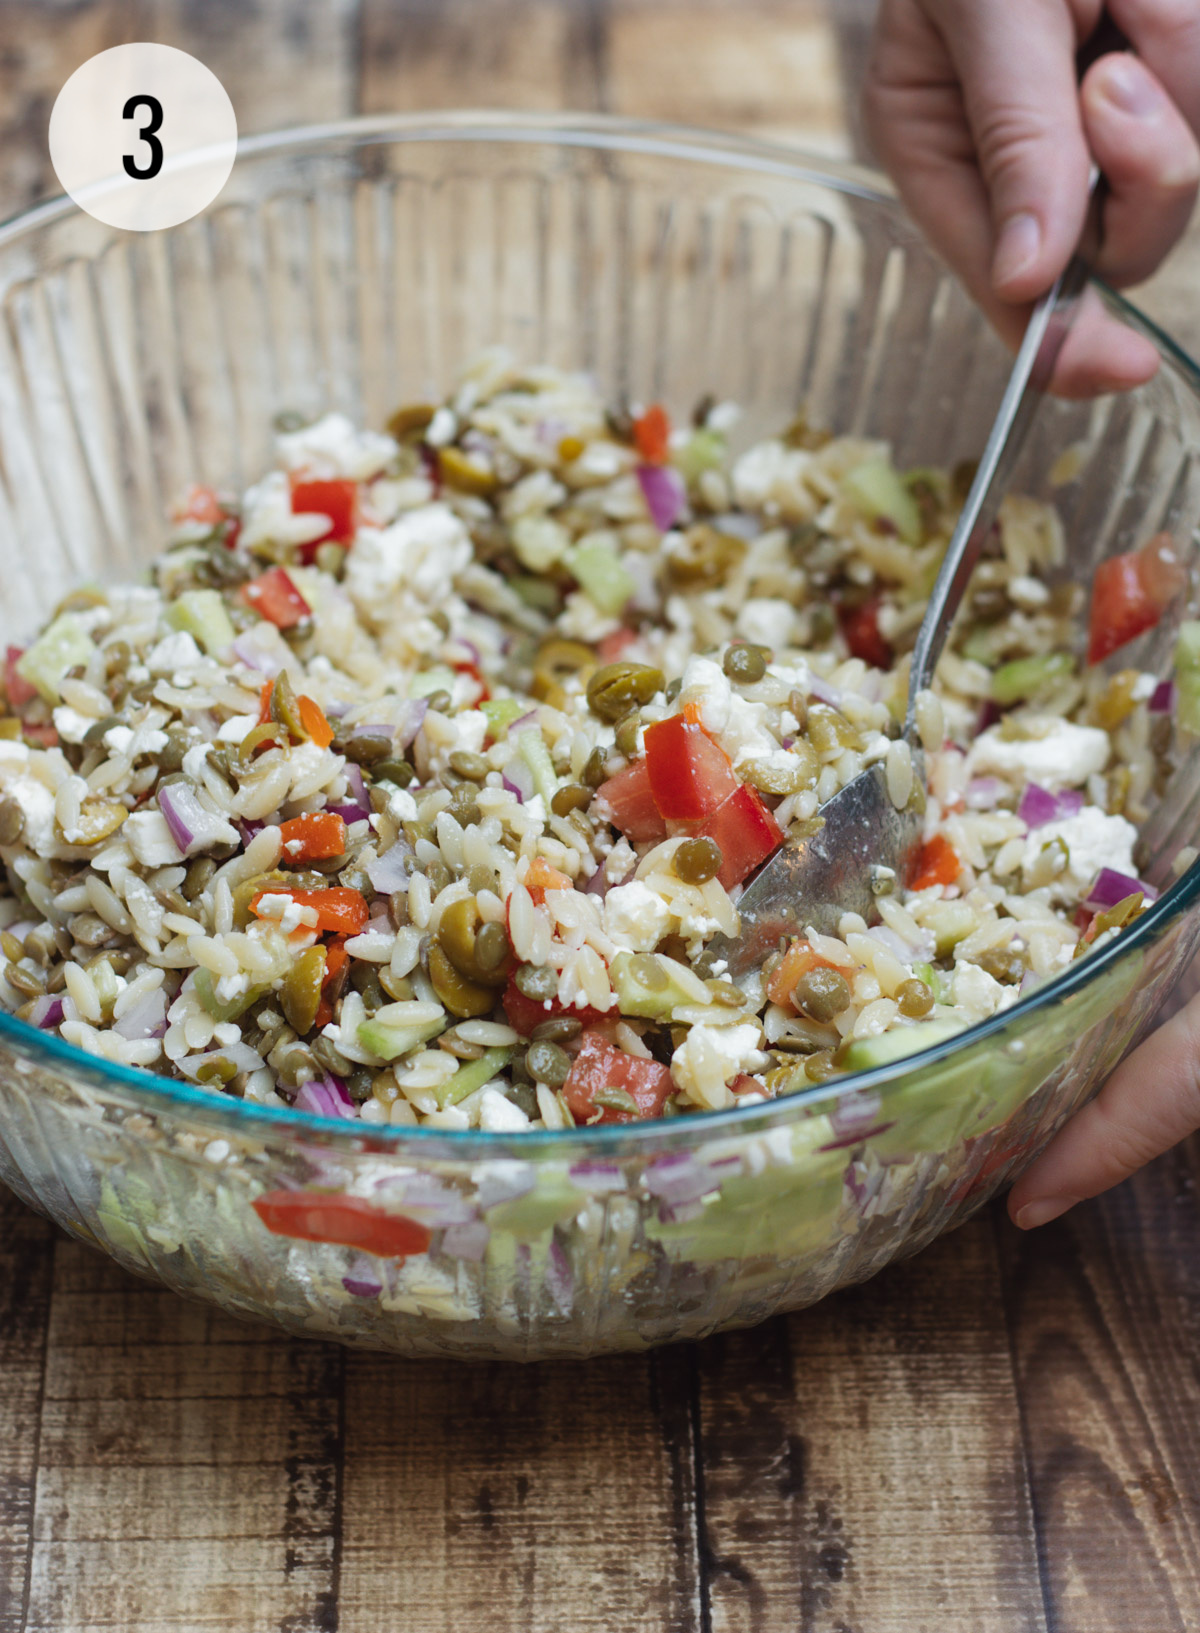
(973, 106)
(1149, 1104)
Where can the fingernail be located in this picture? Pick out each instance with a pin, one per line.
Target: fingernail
(1128, 88)
(1020, 241)
(1034, 1214)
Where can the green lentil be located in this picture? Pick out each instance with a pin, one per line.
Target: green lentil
(821, 994)
(626, 735)
(465, 763)
(492, 951)
(596, 770)
(572, 796)
(697, 861)
(745, 664)
(558, 1029)
(913, 999)
(547, 1063)
(398, 772)
(537, 981)
(12, 822)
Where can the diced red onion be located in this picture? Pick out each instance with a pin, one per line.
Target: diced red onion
(523, 724)
(474, 655)
(665, 494)
(466, 1241)
(144, 1019)
(323, 1100)
(338, 1088)
(434, 1204)
(989, 715)
(249, 827)
(984, 793)
(362, 1289)
(1039, 806)
(824, 693)
(598, 1176)
(254, 656)
(856, 1138)
(193, 827)
(598, 884)
(356, 793)
(1162, 700)
(414, 719)
(518, 778)
(679, 1178)
(389, 872)
(47, 1012)
(1111, 887)
(854, 1113)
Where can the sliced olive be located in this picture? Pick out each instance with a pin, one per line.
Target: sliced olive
(300, 994)
(460, 996)
(619, 687)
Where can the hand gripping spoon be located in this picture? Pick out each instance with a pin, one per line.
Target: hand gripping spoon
(814, 881)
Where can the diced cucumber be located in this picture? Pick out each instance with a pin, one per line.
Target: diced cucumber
(933, 979)
(202, 615)
(1024, 678)
(219, 1008)
(554, 1197)
(863, 1053)
(539, 542)
(703, 451)
(1187, 676)
(635, 996)
(430, 681)
(390, 1042)
(501, 712)
(536, 756)
(878, 490)
(1187, 645)
(601, 573)
(473, 1075)
(950, 922)
(61, 646)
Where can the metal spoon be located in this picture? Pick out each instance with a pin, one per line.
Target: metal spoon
(814, 881)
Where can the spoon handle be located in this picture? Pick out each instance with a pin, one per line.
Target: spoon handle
(1048, 328)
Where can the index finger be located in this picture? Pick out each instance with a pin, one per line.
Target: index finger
(1149, 1104)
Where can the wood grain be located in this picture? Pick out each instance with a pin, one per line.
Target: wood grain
(862, 1465)
(26, 1268)
(189, 1467)
(1104, 1309)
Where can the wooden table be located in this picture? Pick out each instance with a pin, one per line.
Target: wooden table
(1002, 1436)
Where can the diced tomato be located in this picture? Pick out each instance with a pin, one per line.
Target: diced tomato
(40, 736)
(746, 833)
(629, 797)
(599, 1066)
(937, 864)
(345, 1220)
(19, 691)
(860, 626)
(314, 722)
(526, 1013)
(313, 838)
(199, 504)
(1130, 593)
(1121, 608)
(274, 596)
(542, 877)
(339, 909)
(690, 775)
(652, 435)
(476, 674)
(797, 961)
(337, 499)
(612, 646)
(743, 1083)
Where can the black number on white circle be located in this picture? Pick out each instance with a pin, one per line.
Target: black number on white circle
(144, 172)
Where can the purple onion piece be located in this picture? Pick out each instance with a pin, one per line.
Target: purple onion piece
(1162, 700)
(1111, 887)
(253, 656)
(984, 793)
(466, 1241)
(362, 1289)
(321, 1100)
(518, 779)
(1038, 806)
(47, 1012)
(679, 1178)
(144, 1019)
(665, 494)
(389, 872)
(414, 719)
(598, 1176)
(560, 1281)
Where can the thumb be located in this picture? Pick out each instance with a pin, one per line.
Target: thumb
(1149, 1104)
(1016, 65)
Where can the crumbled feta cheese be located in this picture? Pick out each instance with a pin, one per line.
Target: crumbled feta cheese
(149, 838)
(238, 728)
(442, 428)
(420, 553)
(231, 987)
(1094, 840)
(37, 809)
(768, 622)
(498, 1114)
(287, 912)
(175, 651)
(636, 917)
(70, 724)
(620, 861)
(711, 1056)
(1056, 753)
(977, 993)
(770, 478)
(402, 807)
(335, 446)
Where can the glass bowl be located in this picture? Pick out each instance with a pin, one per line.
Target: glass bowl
(353, 267)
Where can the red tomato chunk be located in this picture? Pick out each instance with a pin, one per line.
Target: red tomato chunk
(599, 1066)
(345, 1220)
(937, 864)
(526, 1013)
(336, 499)
(630, 799)
(274, 596)
(746, 833)
(1130, 593)
(860, 626)
(690, 775)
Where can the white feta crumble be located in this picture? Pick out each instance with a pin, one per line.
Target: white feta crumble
(979, 994)
(710, 1057)
(70, 725)
(149, 838)
(287, 912)
(1056, 754)
(498, 1114)
(420, 553)
(175, 651)
(237, 728)
(231, 987)
(1094, 840)
(770, 478)
(636, 917)
(401, 806)
(334, 445)
(767, 621)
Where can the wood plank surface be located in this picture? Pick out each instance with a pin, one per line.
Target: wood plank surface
(1000, 1436)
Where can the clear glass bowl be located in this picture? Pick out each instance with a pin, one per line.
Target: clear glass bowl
(357, 266)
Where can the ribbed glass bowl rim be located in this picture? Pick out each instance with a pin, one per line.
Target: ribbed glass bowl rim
(601, 133)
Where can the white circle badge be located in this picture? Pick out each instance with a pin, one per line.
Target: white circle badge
(143, 136)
